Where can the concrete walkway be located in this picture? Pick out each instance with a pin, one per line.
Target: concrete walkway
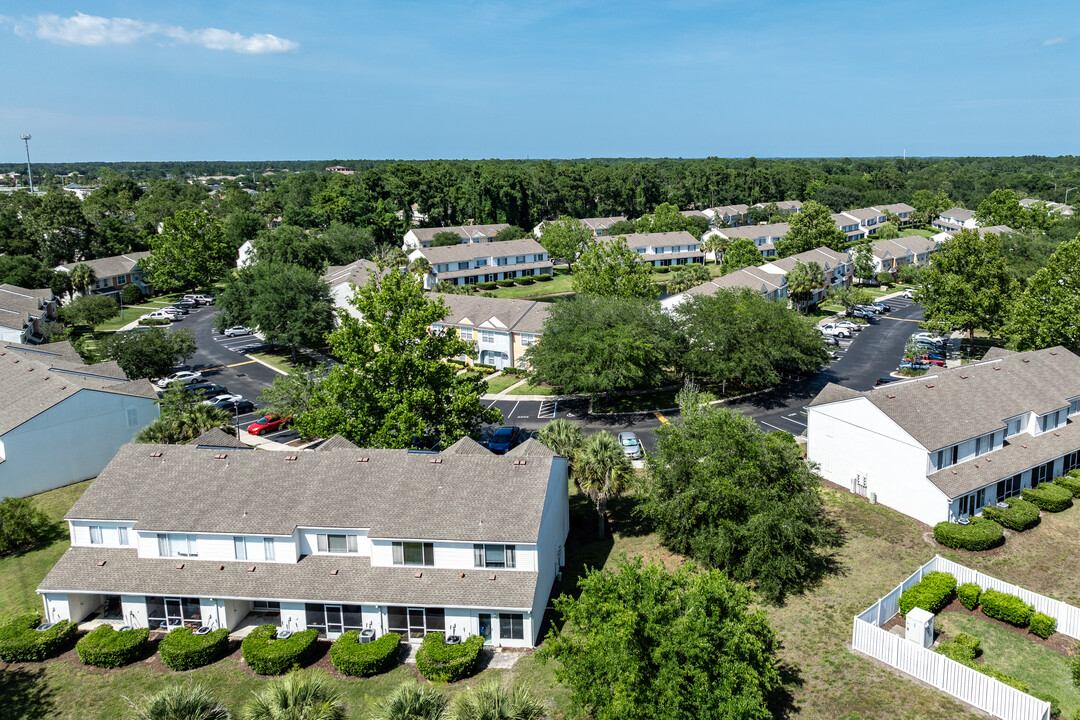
(498, 658)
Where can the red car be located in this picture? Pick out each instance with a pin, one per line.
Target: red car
(929, 360)
(268, 423)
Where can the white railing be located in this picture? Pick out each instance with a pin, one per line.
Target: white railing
(947, 675)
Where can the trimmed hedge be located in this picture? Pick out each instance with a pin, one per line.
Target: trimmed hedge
(955, 651)
(1020, 515)
(932, 593)
(978, 534)
(1075, 662)
(1070, 483)
(969, 595)
(267, 655)
(1049, 497)
(487, 285)
(440, 662)
(542, 278)
(150, 322)
(1075, 472)
(504, 283)
(107, 647)
(181, 649)
(21, 642)
(527, 280)
(1042, 625)
(969, 641)
(482, 367)
(350, 657)
(1007, 608)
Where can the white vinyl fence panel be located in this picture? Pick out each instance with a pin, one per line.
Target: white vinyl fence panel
(948, 675)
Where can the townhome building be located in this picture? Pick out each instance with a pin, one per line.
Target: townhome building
(955, 219)
(462, 541)
(837, 266)
(1055, 208)
(600, 226)
(891, 255)
(666, 249)
(770, 285)
(112, 274)
(726, 215)
(61, 420)
(342, 280)
(869, 219)
(943, 446)
(765, 236)
(472, 263)
(422, 237)
(902, 210)
(787, 207)
(23, 313)
(502, 329)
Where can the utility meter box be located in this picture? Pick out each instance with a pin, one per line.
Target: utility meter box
(920, 627)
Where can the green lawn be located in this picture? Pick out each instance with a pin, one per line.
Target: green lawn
(132, 313)
(20, 573)
(559, 284)
(281, 358)
(500, 383)
(1046, 671)
(530, 389)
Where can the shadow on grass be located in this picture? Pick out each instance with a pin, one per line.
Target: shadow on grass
(49, 534)
(25, 694)
(781, 701)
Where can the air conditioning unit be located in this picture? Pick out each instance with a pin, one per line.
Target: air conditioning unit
(919, 627)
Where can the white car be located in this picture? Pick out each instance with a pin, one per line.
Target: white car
(185, 376)
(928, 336)
(908, 294)
(226, 397)
(631, 445)
(236, 330)
(854, 326)
(157, 315)
(835, 330)
(172, 312)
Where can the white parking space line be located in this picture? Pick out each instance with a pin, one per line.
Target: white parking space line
(276, 434)
(772, 426)
(511, 413)
(791, 418)
(548, 410)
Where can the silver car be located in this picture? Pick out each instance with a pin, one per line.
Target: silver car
(631, 445)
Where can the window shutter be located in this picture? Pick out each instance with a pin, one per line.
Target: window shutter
(478, 555)
(323, 545)
(511, 559)
(351, 540)
(429, 554)
(399, 555)
(239, 549)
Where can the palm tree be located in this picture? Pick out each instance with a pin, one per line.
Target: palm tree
(413, 701)
(421, 266)
(82, 278)
(803, 280)
(181, 702)
(494, 702)
(562, 437)
(297, 696)
(716, 244)
(602, 471)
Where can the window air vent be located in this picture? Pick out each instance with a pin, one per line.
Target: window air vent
(435, 461)
(361, 460)
(101, 563)
(290, 458)
(155, 454)
(251, 569)
(221, 456)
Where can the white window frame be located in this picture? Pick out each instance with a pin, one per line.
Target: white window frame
(268, 549)
(95, 535)
(1074, 406)
(465, 333)
(122, 535)
(487, 336)
(323, 544)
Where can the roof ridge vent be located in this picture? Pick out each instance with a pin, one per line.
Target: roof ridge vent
(929, 385)
(290, 458)
(155, 454)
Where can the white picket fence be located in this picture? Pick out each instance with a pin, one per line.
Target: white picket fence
(939, 671)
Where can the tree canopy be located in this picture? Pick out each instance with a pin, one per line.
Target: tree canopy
(1047, 312)
(148, 353)
(609, 267)
(811, 227)
(740, 252)
(190, 252)
(393, 388)
(643, 643)
(89, 310)
(803, 280)
(737, 499)
(565, 238)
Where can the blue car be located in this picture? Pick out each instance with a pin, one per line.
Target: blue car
(914, 365)
(504, 439)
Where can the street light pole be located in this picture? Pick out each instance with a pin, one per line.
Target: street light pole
(26, 139)
(1067, 194)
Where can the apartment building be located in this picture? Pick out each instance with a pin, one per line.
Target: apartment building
(422, 237)
(502, 329)
(472, 263)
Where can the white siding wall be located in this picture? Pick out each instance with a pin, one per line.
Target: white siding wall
(309, 543)
(293, 615)
(853, 437)
(110, 533)
(69, 442)
(56, 607)
(134, 608)
(550, 548)
(456, 555)
(235, 610)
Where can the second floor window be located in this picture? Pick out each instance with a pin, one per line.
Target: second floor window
(527, 339)
(946, 457)
(465, 333)
(1074, 406)
(95, 535)
(176, 545)
(414, 553)
(1051, 421)
(1013, 427)
(494, 556)
(487, 336)
(338, 544)
(122, 535)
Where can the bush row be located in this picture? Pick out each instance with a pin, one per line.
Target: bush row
(1049, 497)
(350, 657)
(183, 650)
(932, 593)
(1070, 483)
(482, 367)
(978, 534)
(964, 649)
(1007, 608)
(154, 321)
(440, 662)
(21, 642)
(969, 594)
(107, 647)
(542, 278)
(1019, 516)
(267, 655)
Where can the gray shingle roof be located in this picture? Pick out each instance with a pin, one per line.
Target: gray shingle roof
(18, 305)
(959, 403)
(958, 214)
(774, 230)
(510, 313)
(602, 223)
(864, 213)
(426, 234)
(337, 442)
(664, 239)
(395, 494)
(357, 582)
(216, 438)
(821, 256)
(357, 272)
(466, 446)
(899, 247)
(469, 251)
(895, 208)
(110, 266)
(532, 448)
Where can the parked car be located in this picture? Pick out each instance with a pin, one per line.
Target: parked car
(203, 299)
(185, 376)
(228, 397)
(830, 341)
(504, 438)
(850, 325)
(914, 365)
(908, 294)
(157, 315)
(930, 344)
(206, 389)
(235, 331)
(174, 311)
(928, 336)
(931, 352)
(885, 380)
(929, 359)
(268, 423)
(835, 330)
(186, 304)
(631, 445)
(869, 308)
(239, 407)
(883, 306)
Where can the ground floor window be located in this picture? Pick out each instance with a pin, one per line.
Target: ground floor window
(333, 619)
(1010, 487)
(112, 608)
(973, 503)
(1042, 473)
(1070, 462)
(415, 623)
(511, 626)
(164, 613)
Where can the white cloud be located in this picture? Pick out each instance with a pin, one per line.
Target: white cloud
(1053, 41)
(93, 30)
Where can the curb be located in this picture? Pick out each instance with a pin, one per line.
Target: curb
(266, 364)
(635, 413)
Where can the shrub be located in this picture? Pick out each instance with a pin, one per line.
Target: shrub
(440, 662)
(267, 655)
(542, 278)
(504, 283)
(1049, 497)
(22, 524)
(1055, 709)
(955, 651)
(1075, 472)
(968, 641)
(1075, 662)
(131, 295)
(511, 370)
(969, 595)
(1042, 625)
(1007, 608)
(1002, 677)
(154, 321)
(21, 642)
(487, 286)
(183, 650)
(1019, 516)
(525, 281)
(106, 647)
(932, 593)
(978, 534)
(1070, 483)
(482, 367)
(351, 657)
(661, 270)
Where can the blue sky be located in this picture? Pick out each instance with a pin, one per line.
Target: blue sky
(124, 80)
